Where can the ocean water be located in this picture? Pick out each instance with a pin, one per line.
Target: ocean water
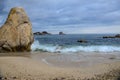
(68, 43)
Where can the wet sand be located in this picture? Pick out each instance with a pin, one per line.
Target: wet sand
(50, 66)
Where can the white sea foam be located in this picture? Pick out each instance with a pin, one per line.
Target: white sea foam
(37, 46)
(91, 48)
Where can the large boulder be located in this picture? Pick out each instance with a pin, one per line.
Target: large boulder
(16, 33)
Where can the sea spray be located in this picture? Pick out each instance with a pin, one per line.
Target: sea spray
(37, 46)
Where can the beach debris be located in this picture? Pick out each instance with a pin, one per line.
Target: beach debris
(16, 32)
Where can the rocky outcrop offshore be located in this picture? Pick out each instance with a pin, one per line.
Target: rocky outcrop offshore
(82, 41)
(61, 33)
(16, 33)
(42, 33)
(116, 36)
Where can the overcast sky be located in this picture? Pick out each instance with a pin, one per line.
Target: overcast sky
(69, 16)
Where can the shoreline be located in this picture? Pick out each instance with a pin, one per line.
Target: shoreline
(33, 67)
(75, 60)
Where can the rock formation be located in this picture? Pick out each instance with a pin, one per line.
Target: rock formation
(82, 41)
(61, 33)
(16, 33)
(37, 33)
(42, 33)
(45, 32)
(116, 36)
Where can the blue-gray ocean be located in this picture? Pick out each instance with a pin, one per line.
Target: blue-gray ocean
(68, 43)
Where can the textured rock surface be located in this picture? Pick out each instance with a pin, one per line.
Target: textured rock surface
(16, 34)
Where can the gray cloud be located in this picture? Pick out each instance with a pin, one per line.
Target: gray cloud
(49, 14)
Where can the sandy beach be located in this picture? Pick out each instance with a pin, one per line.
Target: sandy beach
(60, 40)
(41, 66)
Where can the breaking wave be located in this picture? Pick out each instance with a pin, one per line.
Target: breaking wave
(36, 46)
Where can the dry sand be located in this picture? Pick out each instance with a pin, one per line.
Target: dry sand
(33, 67)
